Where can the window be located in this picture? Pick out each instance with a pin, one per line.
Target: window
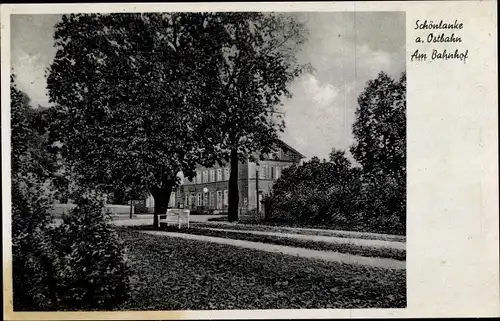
(262, 171)
(205, 176)
(198, 177)
(278, 172)
(219, 174)
(226, 173)
(205, 199)
(225, 197)
(199, 199)
(212, 175)
(272, 172)
(219, 199)
(211, 199)
(187, 200)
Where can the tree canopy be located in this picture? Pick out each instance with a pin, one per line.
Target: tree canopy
(380, 133)
(142, 97)
(129, 94)
(132, 96)
(380, 127)
(259, 62)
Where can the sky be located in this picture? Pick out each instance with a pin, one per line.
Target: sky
(346, 49)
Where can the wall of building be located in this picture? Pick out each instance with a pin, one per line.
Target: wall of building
(193, 190)
(150, 202)
(270, 170)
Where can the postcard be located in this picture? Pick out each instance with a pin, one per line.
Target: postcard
(250, 160)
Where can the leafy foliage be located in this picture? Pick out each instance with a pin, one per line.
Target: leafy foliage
(54, 268)
(91, 266)
(132, 97)
(334, 193)
(259, 62)
(30, 153)
(380, 127)
(321, 192)
(380, 132)
(141, 97)
(32, 252)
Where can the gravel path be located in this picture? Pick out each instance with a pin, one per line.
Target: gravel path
(302, 252)
(353, 234)
(320, 238)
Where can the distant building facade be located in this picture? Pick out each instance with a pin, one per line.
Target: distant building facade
(173, 202)
(216, 181)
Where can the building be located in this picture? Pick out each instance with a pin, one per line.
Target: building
(173, 202)
(209, 188)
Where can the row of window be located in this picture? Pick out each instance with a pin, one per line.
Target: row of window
(202, 177)
(265, 172)
(270, 172)
(206, 199)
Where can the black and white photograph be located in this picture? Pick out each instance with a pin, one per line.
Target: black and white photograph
(166, 161)
(205, 161)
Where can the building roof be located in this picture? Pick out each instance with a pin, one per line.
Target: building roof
(286, 146)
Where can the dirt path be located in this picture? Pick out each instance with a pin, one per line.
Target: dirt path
(314, 231)
(302, 252)
(320, 238)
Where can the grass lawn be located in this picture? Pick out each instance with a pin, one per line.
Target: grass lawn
(265, 227)
(178, 274)
(396, 254)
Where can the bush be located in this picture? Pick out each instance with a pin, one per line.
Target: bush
(78, 265)
(92, 270)
(316, 193)
(335, 194)
(32, 249)
(384, 204)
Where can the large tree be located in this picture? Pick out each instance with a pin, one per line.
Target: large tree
(259, 62)
(132, 97)
(380, 127)
(380, 133)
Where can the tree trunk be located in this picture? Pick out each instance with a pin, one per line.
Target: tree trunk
(233, 188)
(161, 196)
